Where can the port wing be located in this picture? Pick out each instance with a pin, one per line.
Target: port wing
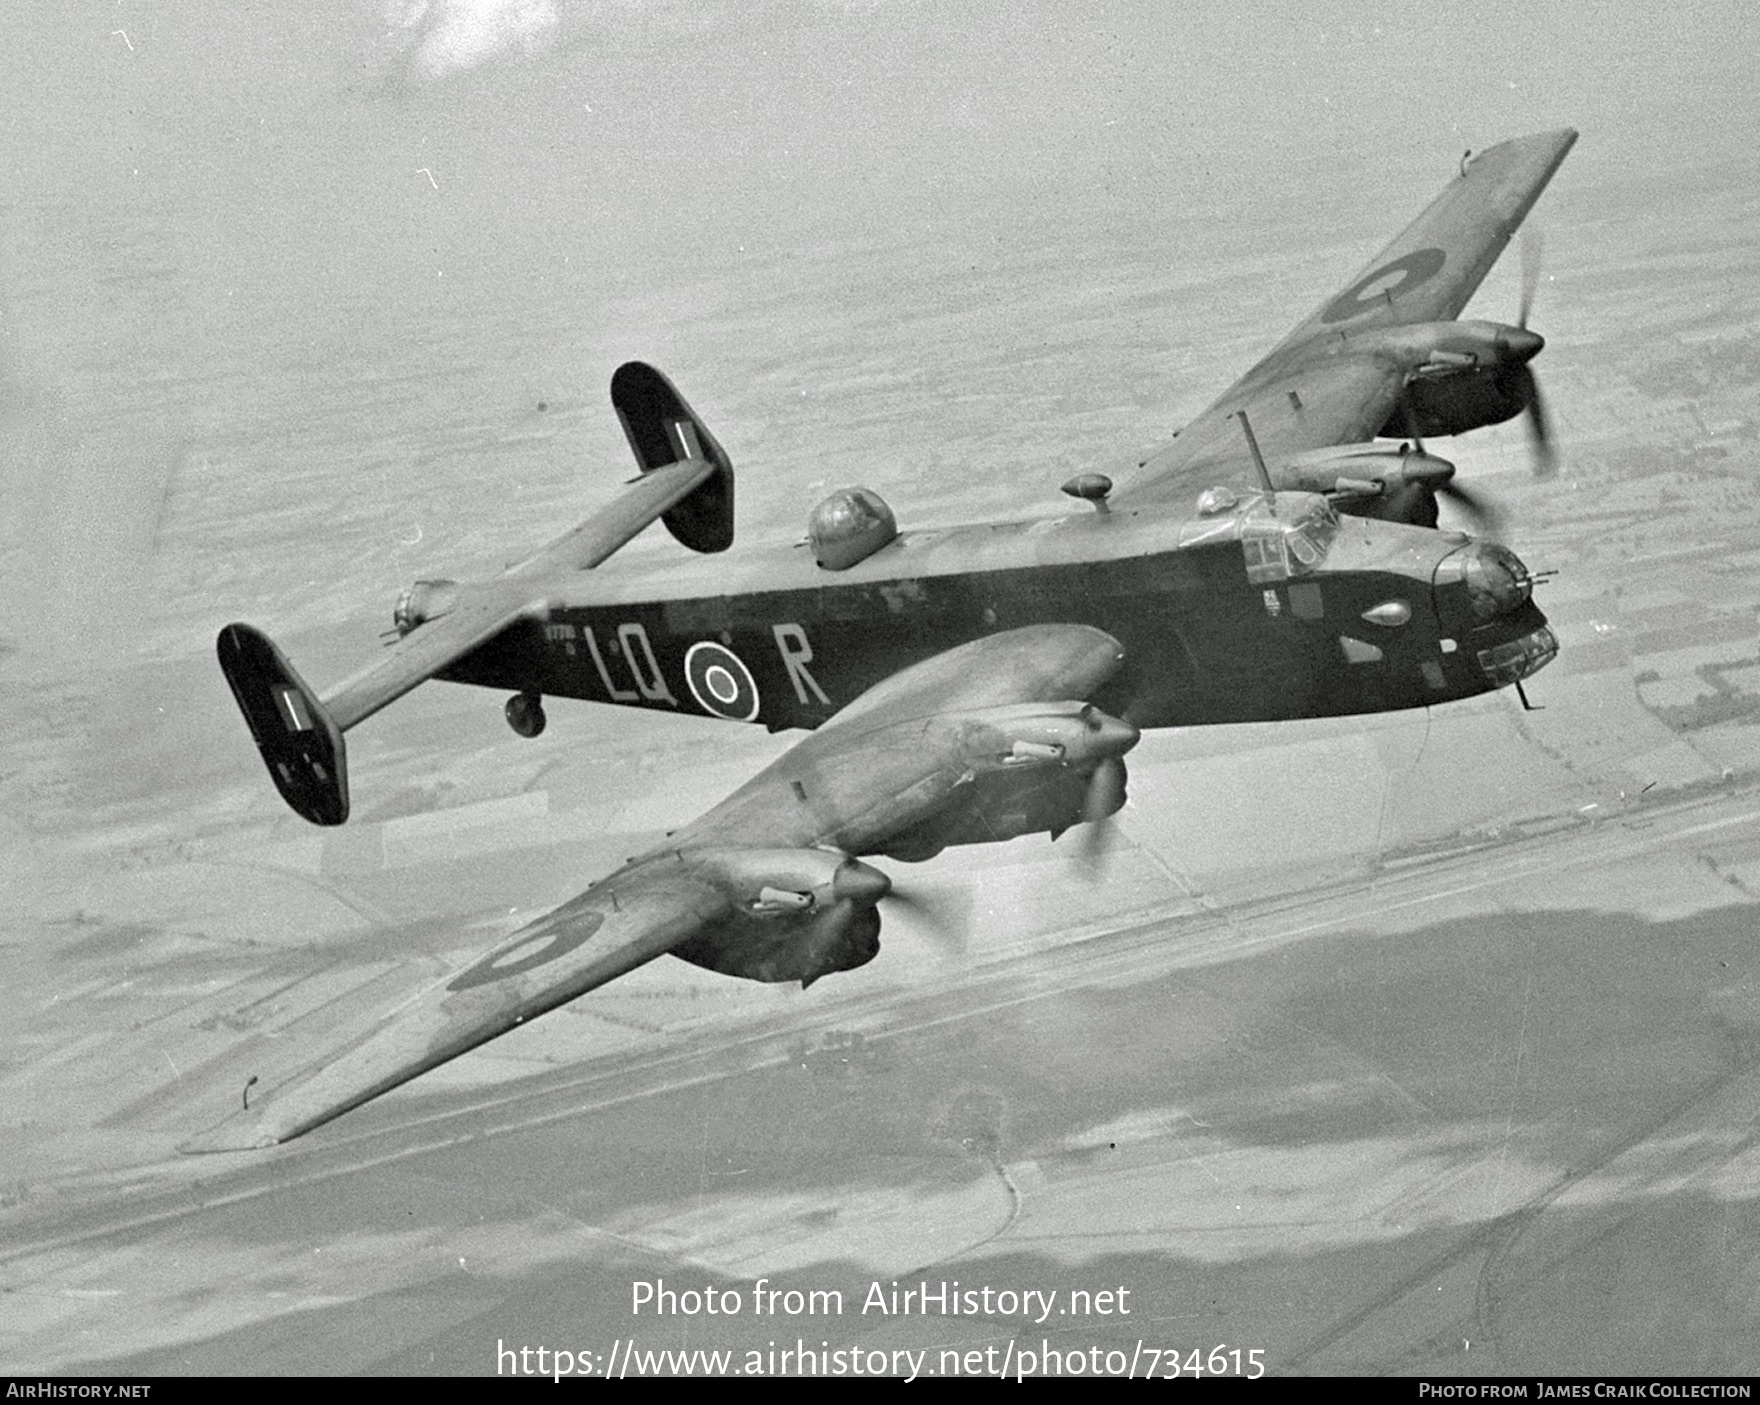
(1326, 383)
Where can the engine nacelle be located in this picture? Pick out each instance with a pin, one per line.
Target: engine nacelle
(1002, 805)
(1455, 401)
(423, 601)
(801, 948)
(798, 914)
(1360, 470)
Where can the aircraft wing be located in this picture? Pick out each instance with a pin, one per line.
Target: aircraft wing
(764, 885)
(1326, 383)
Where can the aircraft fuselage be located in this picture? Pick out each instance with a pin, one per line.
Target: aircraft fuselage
(1259, 610)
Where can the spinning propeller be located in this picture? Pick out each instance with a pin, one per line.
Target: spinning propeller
(1099, 836)
(1507, 354)
(1484, 516)
(1521, 372)
(943, 917)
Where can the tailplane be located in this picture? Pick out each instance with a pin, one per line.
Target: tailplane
(301, 744)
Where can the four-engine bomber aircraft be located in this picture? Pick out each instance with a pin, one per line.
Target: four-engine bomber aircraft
(967, 684)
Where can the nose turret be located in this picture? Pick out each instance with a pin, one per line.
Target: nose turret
(1497, 582)
(1484, 599)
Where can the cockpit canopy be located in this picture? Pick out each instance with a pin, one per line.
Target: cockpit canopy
(1283, 534)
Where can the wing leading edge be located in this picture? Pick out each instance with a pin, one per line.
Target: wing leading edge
(1333, 381)
(764, 885)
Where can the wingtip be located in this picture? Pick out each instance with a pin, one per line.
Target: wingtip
(237, 1133)
(1559, 141)
(1554, 143)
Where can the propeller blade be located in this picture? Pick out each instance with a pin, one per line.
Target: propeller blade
(1104, 798)
(947, 930)
(1105, 790)
(1532, 247)
(1484, 517)
(1539, 427)
(1411, 418)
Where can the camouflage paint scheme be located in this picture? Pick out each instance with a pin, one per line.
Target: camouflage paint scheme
(970, 684)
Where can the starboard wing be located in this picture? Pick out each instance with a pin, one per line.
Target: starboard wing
(1323, 384)
(883, 761)
(632, 917)
(762, 885)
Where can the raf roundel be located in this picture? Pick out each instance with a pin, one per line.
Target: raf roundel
(528, 953)
(1374, 289)
(720, 681)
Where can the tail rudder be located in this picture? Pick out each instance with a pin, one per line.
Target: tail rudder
(663, 429)
(301, 744)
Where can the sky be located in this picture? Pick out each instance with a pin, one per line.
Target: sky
(309, 152)
(409, 133)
